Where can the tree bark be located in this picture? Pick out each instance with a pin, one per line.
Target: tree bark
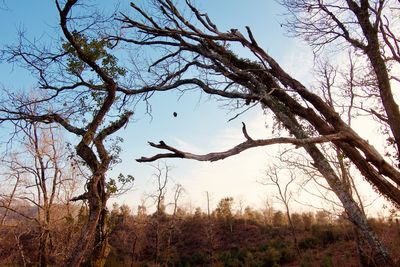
(95, 230)
(381, 254)
(373, 51)
(43, 246)
(101, 247)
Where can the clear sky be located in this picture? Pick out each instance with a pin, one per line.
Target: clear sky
(201, 125)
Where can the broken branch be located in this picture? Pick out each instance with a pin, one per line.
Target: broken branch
(249, 143)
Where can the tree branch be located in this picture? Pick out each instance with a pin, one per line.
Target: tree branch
(249, 143)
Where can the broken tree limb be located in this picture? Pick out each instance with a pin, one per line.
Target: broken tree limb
(249, 143)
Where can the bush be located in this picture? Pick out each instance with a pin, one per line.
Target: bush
(308, 243)
(325, 234)
(197, 259)
(327, 261)
(230, 258)
(273, 258)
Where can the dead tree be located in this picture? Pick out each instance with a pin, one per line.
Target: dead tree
(284, 194)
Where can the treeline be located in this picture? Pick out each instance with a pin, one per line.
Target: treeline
(223, 237)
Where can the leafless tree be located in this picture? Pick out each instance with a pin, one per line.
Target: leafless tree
(164, 225)
(357, 91)
(284, 193)
(201, 47)
(20, 248)
(178, 191)
(366, 26)
(40, 170)
(14, 178)
(161, 175)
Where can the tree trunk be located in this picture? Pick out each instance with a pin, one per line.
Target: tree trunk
(95, 230)
(86, 237)
(43, 246)
(21, 248)
(157, 242)
(374, 52)
(364, 259)
(381, 254)
(293, 230)
(99, 256)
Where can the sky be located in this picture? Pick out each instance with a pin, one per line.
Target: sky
(202, 123)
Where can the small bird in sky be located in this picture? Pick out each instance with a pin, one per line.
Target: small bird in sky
(175, 114)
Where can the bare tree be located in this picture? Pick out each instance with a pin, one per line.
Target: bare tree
(284, 194)
(331, 79)
(13, 178)
(368, 27)
(40, 170)
(178, 190)
(202, 47)
(161, 175)
(311, 182)
(163, 224)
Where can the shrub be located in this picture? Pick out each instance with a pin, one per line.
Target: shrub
(308, 243)
(325, 234)
(327, 260)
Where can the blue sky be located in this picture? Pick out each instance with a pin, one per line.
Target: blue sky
(201, 125)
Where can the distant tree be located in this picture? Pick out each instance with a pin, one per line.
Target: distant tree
(224, 211)
(125, 211)
(249, 214)
(224, 208)
(198, 213)
(119, 214)
(163, 224)
(141, 233)
(308, 220)
(297, 221)
(239, 206)
(278, 219)
(161, 176)
(322, 217)
(41, 172)
(267, 211)
(275, 178)
(141, 211)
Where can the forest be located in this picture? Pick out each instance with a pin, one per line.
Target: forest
(223, 237)
(102, 65)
